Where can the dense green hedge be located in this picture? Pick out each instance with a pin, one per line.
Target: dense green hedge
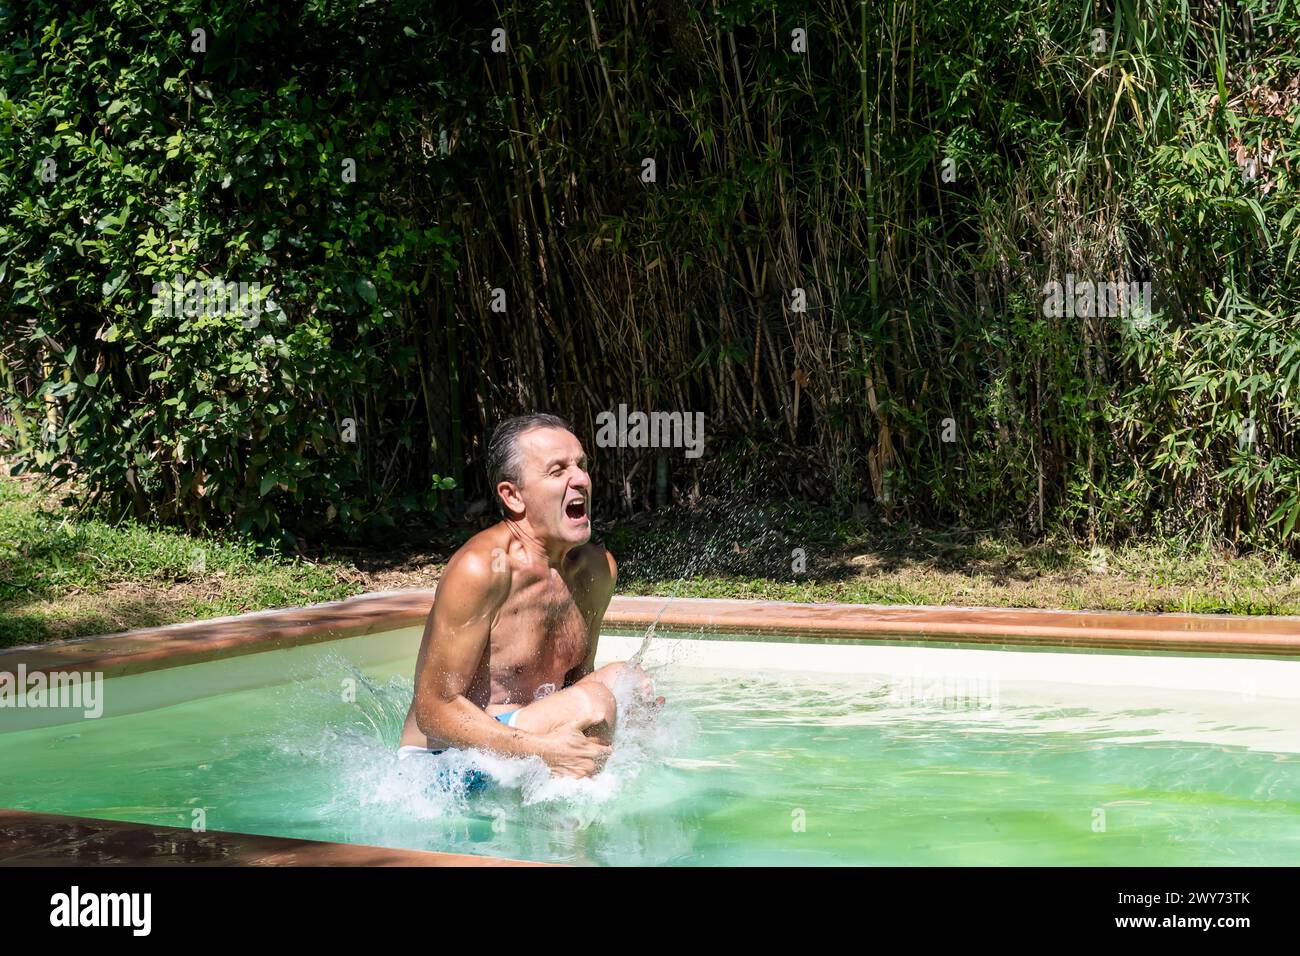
(228, 164)
(923, 376)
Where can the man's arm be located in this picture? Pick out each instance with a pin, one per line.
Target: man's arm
(599, 592)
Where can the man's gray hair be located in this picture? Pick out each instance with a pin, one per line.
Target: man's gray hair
(503, 459)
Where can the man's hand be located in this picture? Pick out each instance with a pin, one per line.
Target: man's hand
(569, 753)
(643, 685)
(630, 676)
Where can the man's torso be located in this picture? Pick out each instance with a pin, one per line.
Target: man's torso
(540, 633)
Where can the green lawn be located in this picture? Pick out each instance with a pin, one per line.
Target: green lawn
(65, 576)
(753, 552)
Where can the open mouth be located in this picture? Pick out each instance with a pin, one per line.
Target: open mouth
(576, 510)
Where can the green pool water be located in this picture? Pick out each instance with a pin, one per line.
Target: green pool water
(746, 767)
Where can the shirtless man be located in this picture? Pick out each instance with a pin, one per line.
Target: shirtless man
(507, 662)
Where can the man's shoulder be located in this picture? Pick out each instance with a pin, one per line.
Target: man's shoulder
(481, 560)
(596, 562)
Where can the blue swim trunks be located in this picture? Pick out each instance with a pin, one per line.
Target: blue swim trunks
(472, 780)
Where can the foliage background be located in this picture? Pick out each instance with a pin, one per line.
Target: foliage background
(776, 170)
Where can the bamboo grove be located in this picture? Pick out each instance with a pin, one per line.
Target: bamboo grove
(838, 253)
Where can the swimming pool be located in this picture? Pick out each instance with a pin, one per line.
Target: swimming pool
(770, 750)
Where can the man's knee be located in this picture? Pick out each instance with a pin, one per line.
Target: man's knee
(612, 673)
(622, 675)
(600, 704)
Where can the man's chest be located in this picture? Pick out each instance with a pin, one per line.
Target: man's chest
(540, 627)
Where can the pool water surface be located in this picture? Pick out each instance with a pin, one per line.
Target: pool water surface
(740, 767)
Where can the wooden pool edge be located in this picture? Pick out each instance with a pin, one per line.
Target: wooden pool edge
(29, 839)
(174, 645)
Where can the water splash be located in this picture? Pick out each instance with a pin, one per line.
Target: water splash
(352, 744)
(636, 658)
(706, 540)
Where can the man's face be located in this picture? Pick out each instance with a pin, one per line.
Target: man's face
(555, 488)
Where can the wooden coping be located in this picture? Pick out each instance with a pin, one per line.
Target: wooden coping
(160, 647)
(49, 839)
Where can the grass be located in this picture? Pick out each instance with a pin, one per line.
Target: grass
(752, 554)
(64, 576)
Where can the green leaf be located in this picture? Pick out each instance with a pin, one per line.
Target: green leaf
(1291, 519)
(114, 282)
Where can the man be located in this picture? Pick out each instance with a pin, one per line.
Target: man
(507, 659)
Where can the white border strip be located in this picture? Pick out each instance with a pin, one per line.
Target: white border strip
(1247, 677)
(1250, 677)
